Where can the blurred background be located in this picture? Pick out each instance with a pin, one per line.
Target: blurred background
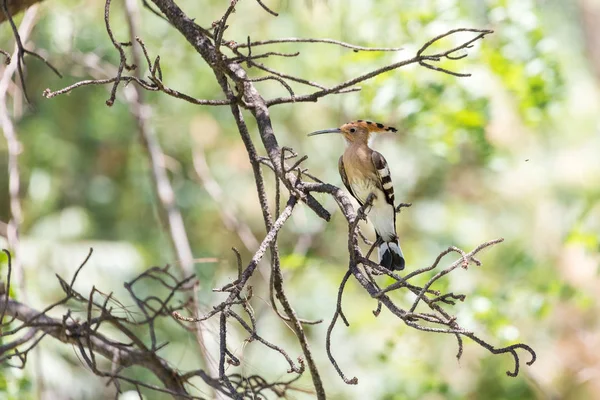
(512, 151)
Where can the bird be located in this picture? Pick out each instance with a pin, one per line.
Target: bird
(365, 171)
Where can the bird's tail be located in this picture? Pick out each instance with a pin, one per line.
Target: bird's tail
(390, 254)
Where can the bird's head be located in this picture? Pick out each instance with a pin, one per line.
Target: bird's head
(357, 131)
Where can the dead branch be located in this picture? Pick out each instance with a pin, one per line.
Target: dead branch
(90, 338)
(21, 51)
(267, 9)
(87, 335)
(420, 59)
(155, 82)
(312, 40)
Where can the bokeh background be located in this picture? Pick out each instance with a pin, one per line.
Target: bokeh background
(512, 151)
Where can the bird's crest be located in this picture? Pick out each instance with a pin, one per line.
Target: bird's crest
(372, 126)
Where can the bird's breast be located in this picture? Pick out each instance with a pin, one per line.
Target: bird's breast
(381, 213)
(362, 187)
(358, 163)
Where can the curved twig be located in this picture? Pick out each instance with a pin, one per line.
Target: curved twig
(339, 312)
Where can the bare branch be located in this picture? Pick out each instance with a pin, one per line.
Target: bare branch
(275, 78)
(21, 51)
(464, 262)
(339, 312)
(150, 86)
(267, 9)
(263, 55)
(49, 94)
(221, 26)
(88, 336)
(419, 58)
(313, 40)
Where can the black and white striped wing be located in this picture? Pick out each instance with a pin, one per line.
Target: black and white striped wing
(345, 179)
(383, 172)
(390, 254)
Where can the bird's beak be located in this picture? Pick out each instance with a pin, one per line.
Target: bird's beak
(335, 130)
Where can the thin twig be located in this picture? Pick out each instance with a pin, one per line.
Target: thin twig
(21, 50)
(419, 58)
(338, 312)
(313, 40)
(267, 9)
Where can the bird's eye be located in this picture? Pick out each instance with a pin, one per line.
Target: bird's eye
(352, 130)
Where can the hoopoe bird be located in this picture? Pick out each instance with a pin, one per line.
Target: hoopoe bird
(365, 171)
